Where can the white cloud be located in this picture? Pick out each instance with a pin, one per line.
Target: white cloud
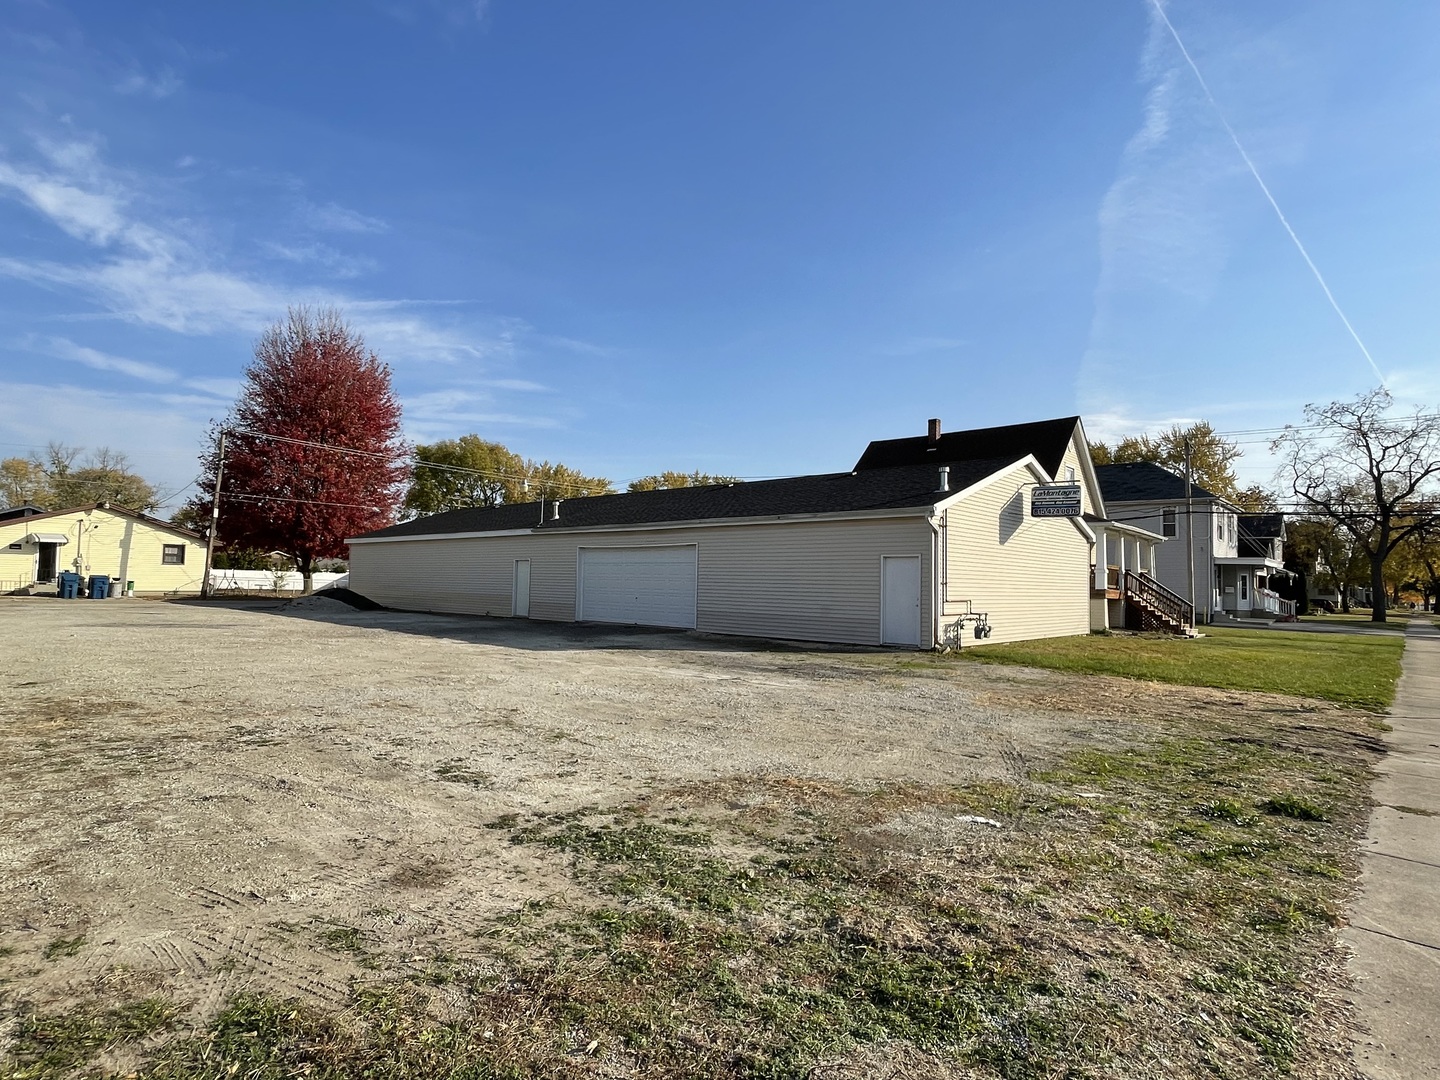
(443, 413)
(335, 218)
(65, 349)
(1111, 427)
(160, 85)
(91, 216)
(157, 272)
(141, 260)
(1179, 202)
(221, 388)
(323, 255)
(173, 426)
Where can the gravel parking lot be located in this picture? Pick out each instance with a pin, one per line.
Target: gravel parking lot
(202, 798)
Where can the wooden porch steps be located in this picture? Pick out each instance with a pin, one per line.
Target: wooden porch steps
(1155, 608)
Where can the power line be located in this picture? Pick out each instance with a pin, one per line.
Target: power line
(284, 499)
(416, 462)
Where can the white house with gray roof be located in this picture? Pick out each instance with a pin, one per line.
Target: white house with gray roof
(1234, 565)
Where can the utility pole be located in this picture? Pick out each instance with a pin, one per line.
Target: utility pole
(214, 518)
(1189, 529)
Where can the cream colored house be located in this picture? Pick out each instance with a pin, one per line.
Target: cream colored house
(162, 559)
(929, 541)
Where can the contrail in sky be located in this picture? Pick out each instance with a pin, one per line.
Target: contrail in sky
(1160, 10)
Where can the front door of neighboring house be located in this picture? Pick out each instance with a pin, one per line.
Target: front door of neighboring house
(45, 563)
(900, 600)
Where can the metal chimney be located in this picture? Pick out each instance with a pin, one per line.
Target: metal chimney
(944, 478)
(935, 429)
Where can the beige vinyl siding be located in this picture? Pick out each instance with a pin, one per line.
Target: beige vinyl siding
(1030, 575)
(117, 545)
(1071, 460)
(811, 581)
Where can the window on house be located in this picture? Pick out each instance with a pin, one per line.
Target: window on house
(1167, 522)
(173, 554)
(1070, 474)
(1219, 527)
(1244, 586)
(1230, 524)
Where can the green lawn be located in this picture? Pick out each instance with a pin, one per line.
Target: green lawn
(1352, 670)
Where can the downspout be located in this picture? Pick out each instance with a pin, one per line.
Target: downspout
(936, 581)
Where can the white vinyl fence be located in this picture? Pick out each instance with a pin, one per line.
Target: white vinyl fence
(250, 581)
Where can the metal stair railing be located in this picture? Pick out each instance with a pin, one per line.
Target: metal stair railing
(1144, 588)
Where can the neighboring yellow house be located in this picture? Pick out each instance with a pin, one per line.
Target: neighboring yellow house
(160, 558)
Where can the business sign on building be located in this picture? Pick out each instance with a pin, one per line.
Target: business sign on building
(1055, 500)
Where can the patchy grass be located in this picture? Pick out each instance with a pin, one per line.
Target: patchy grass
(1163, 909)
(46, 1045)
(1352, 670)
(61, 947)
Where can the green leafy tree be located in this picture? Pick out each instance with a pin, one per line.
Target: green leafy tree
(1256, 500)
(1375, 475)
(244, 559)
(545, 480)
(1424, 556)
(25, 481)
(1327, 554)
(103, 475)
(1211, 456)
(665, 480)
(188, 517)
(467, 471)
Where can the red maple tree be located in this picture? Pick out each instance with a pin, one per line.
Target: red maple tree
(313, 381)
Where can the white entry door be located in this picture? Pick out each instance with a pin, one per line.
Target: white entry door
(522, 588)
(643, 586)
(900, 600)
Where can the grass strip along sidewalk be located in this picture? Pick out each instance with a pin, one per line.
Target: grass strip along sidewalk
(1352, 670)
(1162, 910)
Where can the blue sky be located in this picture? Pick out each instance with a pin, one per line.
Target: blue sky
(744, 237)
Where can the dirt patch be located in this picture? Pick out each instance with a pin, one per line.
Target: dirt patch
(210, 801)
(187, 784)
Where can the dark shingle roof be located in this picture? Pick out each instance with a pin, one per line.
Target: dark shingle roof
(1144, 480)
(827, 493)
(1262, 526)
(1256, 533)
(1046, 439)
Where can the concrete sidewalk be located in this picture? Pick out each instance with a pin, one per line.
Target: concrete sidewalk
(1395, 926)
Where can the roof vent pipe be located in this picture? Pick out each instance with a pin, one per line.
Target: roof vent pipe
(944, 478)
(554, 509)
(935, 429)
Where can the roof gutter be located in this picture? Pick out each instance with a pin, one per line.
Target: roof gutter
(699, 523)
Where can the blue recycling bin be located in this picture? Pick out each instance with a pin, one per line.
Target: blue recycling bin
(68, 585)
(99, 586)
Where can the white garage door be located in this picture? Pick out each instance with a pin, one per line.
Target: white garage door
(647, 586)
